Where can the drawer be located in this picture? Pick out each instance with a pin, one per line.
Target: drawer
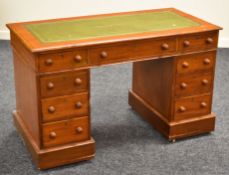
(192, 107)
(62, 61)
(112, 53)
(196, 62)
(133, 50)
(64, 107)
(193, 84)
(197, 42)
(62, 132)
(64, 83)
(155, 47)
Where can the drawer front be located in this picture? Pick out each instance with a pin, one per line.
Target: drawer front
(64, 83)
(155, 47)
(64, 107)
(62, 61)
(196, 62)
(112, 53)
(193, 84)
(197, 42)
(133, 50)
(74, 130)
(192, 107)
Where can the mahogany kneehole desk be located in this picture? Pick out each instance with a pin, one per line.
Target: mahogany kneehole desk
(173, 57)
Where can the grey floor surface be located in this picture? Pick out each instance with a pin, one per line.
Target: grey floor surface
(125, 144)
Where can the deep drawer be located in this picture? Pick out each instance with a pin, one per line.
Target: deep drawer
(192, 107)
(65, 83)
(62, 132)
(64, 107)
(193, 84)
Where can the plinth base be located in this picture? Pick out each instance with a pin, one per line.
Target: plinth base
(171, 130)
(56, 156)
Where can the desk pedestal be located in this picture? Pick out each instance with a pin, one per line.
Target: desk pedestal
(171, 130)
(56, 156)
(175, 99)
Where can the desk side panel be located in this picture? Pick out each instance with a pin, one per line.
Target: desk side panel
(26, 88)
(152, 81)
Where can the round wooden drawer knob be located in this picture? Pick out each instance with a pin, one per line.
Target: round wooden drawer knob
(78, 105)
(103, 54)
(209, 40)
(207, 61)
(203, 105)
(52, 135)
(50, 85)
(186, 43)
(78, 58)
(165, 46)
(182, 109)
(79, 129)
(183, 85)
(51, 109)
(78, 81)
(48, 62)
(185, 64)
(204, 81)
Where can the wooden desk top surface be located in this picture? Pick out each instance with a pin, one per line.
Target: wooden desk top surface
(91, 30)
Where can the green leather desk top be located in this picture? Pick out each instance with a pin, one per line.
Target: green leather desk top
(105, 26)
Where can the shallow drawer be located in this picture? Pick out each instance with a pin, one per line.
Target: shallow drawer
(64, 107)
(62, 132)
(155, 47)
(64, 83)
(193, 84)
(192, 107)
(62, 61)
(133, 50)
(112, 53)
(196, 62)
(197, 42)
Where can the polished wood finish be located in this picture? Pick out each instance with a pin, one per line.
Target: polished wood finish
(158, 93)
(197, 62)
(66, 131)
(194, 84)
(72, 82)
(58, 108)
(186, 108)
(173, 75)
(172, 130)
(198, 42)
(51, 157)
(62, 61)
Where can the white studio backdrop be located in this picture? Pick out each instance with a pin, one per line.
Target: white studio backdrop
(214, 11)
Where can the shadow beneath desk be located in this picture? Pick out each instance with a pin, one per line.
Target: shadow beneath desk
(138, 131)
(116, 134)
(13, 155)
(16, 159)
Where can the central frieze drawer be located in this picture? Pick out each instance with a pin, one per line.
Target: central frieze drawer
(155, 47)
(62, 132)
(111, 53)
(64, 107)
(133, 50)
(64, 83)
